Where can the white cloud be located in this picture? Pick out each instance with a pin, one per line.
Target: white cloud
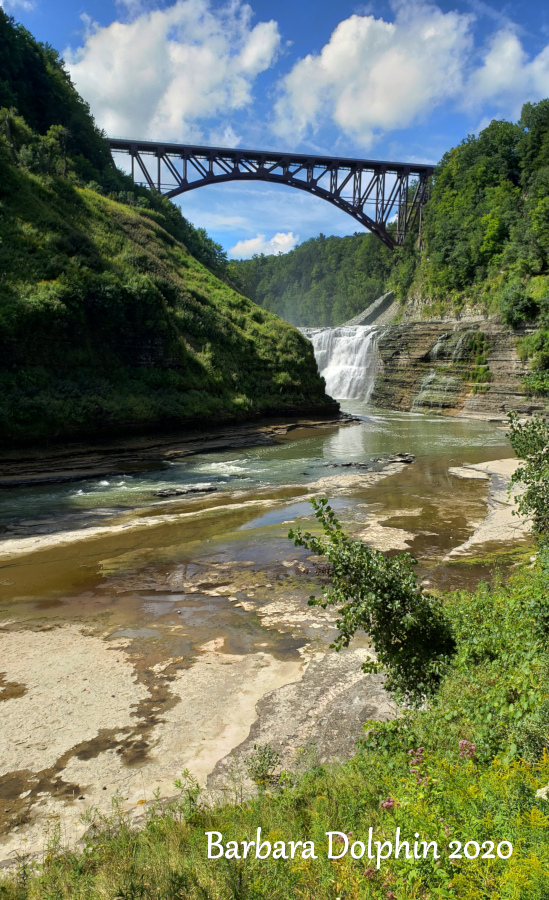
(507, 78)
(279, 243)
(375, 76)
(165, 71)
(224, 137)
(12, 5)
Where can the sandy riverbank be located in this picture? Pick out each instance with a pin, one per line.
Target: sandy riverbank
(87, 716)
(502, 523)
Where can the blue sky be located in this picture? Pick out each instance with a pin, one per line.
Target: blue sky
(393, 80)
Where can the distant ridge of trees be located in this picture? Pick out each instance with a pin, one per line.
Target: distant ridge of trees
(324, 281)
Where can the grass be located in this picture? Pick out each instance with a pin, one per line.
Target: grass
(468, 768)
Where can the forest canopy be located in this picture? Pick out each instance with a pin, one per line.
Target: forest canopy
(324, 281)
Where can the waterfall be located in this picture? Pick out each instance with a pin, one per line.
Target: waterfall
(347, 357)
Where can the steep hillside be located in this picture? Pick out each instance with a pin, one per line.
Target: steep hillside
(108, 322)
(112, 314)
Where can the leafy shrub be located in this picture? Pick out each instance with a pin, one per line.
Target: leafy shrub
(536, 384)
(530, 441)
(380, 595)
(532, 738)
(516, 306)
(262, 763)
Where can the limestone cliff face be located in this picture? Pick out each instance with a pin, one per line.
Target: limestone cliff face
(451, 366)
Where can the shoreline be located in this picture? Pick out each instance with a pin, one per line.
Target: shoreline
(502, 523)
(31, 465)
(64, 463)
(143, 518)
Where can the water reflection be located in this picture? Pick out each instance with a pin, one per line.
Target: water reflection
(299, 458)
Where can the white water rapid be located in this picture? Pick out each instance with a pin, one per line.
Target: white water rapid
(347, 357)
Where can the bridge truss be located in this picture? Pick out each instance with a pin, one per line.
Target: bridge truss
(375, 193)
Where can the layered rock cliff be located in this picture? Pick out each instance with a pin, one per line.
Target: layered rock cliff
(451, 366)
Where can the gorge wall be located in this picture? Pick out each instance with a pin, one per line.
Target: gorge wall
(468, 366)
(400, 357)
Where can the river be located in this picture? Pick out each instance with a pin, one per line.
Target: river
(143, 631)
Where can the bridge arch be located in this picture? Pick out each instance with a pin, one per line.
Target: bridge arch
(373, 192)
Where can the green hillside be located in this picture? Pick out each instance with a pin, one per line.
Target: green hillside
(112, 312)
(487, 223)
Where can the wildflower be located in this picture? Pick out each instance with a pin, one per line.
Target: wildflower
(388, 803)
(467, 750)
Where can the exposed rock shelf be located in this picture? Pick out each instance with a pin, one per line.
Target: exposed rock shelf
(433, 365)
(76, 461)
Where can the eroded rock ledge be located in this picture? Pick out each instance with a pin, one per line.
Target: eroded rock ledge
(462, 366)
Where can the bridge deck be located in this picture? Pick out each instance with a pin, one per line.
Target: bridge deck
(201, 150)
(385, 197)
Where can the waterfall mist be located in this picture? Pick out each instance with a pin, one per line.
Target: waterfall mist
(347, 357)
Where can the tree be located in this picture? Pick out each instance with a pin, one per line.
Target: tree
(14, 131)
(55, 143)
(380, 595)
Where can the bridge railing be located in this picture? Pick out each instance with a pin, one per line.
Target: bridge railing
(385, 197)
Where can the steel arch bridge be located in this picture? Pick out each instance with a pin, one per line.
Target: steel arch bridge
(373, 192)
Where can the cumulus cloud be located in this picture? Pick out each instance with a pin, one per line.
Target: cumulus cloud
(279, 243)
(507, 77)
(165, 71)
(374, 76)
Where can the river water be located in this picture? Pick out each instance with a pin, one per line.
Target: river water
(144, 633)
(250, 495)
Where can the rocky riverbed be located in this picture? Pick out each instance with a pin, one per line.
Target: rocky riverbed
(178, 635)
